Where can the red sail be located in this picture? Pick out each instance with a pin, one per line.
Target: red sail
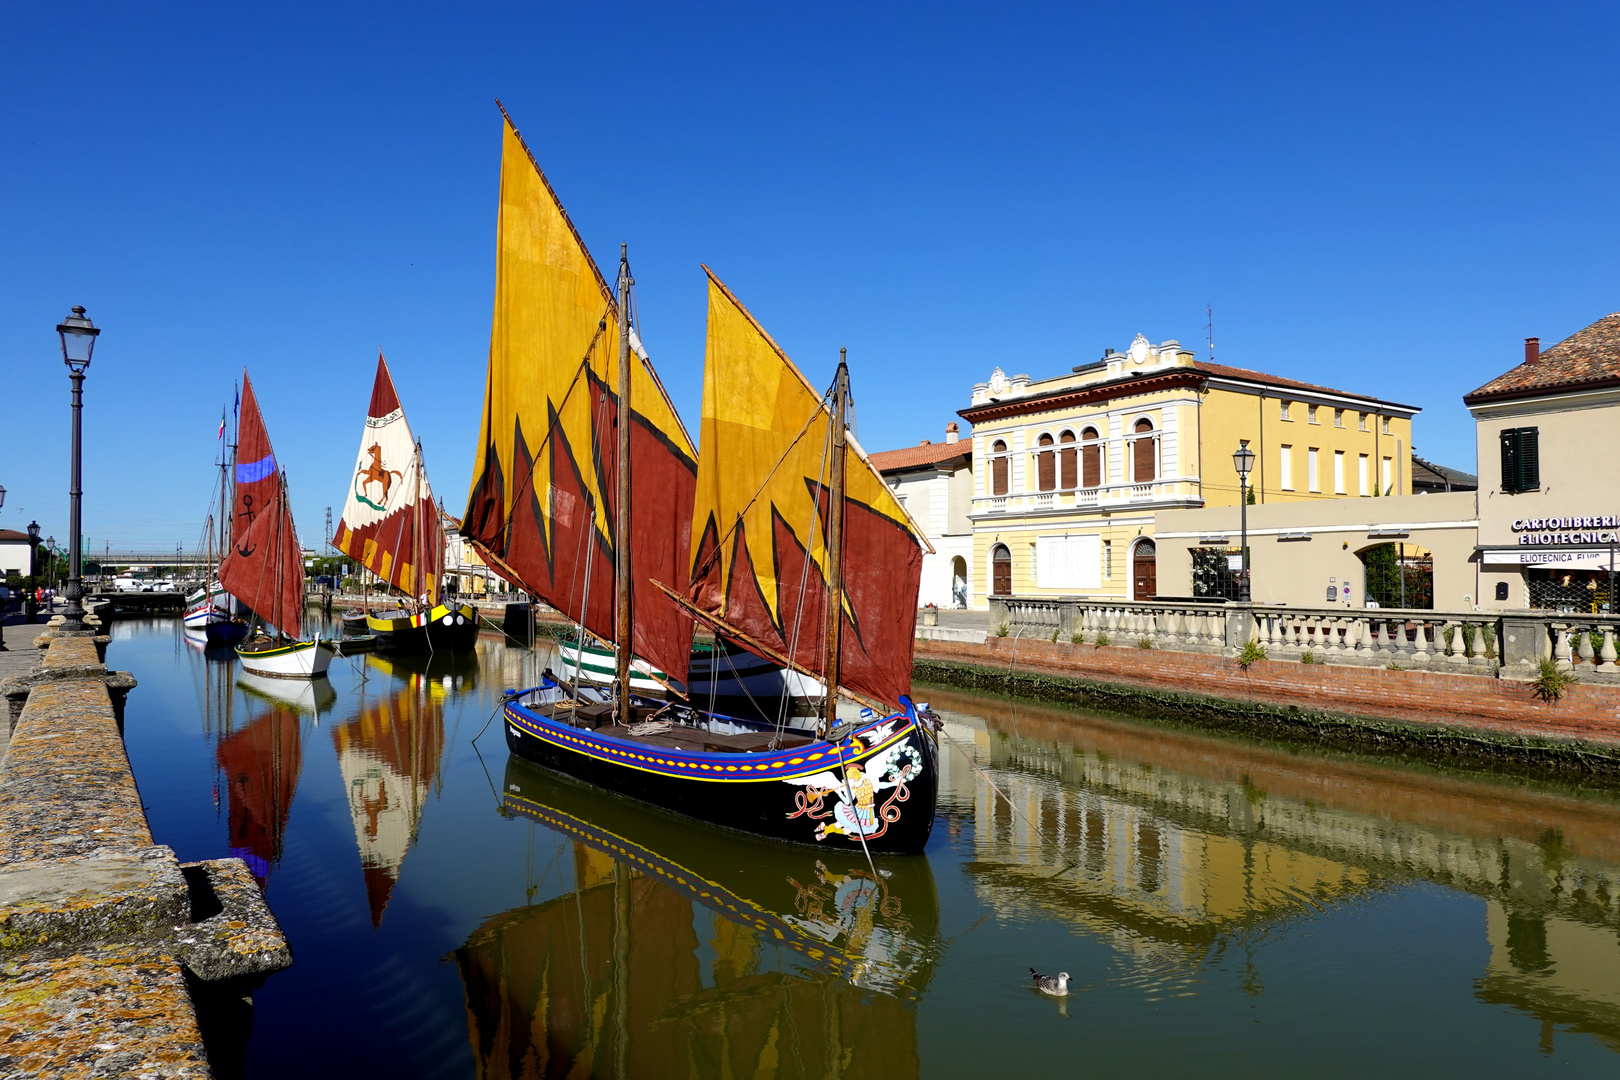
(255, 465)
(265, 569)
(261, 764)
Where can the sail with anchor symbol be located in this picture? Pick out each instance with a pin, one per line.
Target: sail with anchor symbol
(255, 475)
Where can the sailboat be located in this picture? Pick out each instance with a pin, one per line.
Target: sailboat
(208, 615)
(596, 517)
(392, 527)
(264, 568)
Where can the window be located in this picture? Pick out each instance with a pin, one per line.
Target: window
(1090, 459)
(1108, 559)
(1285, 468)
(1521, 459)
(1310, 414)
(1338, 418)
(1383, 422)
(1000, 571)
(1069, 562)
(1144, 459)
(1282, 410)
(998, 467)
(1338, 472)
(1385, 488)
(1361, 468)
(1045, 464)
(1310, 470)
(1066, 462)
(1361, 421)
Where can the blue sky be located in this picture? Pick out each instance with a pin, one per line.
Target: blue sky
(1379, 197)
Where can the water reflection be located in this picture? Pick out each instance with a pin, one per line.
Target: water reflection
(685, 944)
(259, 765)
(1174, 848)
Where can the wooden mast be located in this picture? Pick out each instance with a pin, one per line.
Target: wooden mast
(621, 525)
(835, 543)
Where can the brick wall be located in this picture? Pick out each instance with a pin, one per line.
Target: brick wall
(1441, 699)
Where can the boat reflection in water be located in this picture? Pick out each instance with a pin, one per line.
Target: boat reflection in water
(800, 964)
(313, 698)
(389, 756)
(260, 763)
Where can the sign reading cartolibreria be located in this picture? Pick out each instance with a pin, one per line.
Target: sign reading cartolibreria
(1567, 530)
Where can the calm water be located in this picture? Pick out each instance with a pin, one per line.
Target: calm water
(1224, 907)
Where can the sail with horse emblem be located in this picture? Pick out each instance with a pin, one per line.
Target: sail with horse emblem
(392, 527)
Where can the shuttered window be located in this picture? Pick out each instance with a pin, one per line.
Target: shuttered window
(1144, 465)
(1091, 459)
(1521, 459)
(998, 468)
(1066, 462)
(1045, 464)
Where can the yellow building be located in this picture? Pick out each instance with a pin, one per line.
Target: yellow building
(1069, 471)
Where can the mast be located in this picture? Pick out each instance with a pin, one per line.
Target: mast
(416, 534)
(835, 543)
(621, 525)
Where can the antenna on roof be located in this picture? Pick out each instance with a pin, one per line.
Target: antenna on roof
(1209, 330)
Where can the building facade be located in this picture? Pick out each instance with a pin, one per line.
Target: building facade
(1549, 507)
(934, 482)
(1069, 472)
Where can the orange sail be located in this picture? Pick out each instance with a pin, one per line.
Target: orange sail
(541, 506)
(760, 521)
(390, 524)
(261, 764)
(264, 568)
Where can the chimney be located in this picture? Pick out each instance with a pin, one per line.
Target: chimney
(1532, 350)
(952, 432)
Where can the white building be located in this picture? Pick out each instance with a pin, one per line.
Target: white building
(934, 482)
(14, 550)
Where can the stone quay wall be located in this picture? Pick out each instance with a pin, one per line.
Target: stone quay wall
(1455, 713)
(107, 940)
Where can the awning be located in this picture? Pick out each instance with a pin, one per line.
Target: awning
(1569, 558)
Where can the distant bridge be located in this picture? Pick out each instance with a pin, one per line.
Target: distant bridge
(174, 556)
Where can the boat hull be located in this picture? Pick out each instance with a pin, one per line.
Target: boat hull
(879, 783)
(591, 664)
(300, 660)
(442, 629)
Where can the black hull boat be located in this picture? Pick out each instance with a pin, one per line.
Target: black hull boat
(354, 622)
(442, 629)
(872, 786)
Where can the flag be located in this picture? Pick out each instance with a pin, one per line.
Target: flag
(221, 434)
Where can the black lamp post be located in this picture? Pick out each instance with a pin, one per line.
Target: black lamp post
(29, 603)
(78, 336)
(2, 606)
(1243, 462)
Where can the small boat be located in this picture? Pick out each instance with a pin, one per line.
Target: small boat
(587, 494)
(264, 568)
(208, 613)
(353, 622)
(392, 526)
(719, 670)
(357, 643)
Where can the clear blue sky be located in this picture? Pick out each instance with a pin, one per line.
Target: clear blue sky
(1380, 197)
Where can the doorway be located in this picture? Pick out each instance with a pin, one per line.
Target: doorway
(1000, 571)
(959, 583)
(1144, 571)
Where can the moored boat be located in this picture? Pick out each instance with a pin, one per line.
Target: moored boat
(718, 670)
(441, 628)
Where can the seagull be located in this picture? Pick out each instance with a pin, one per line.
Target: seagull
(1056, 985)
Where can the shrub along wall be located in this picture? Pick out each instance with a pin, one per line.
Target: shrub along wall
(1436, 711)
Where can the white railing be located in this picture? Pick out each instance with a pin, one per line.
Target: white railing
(1043, 501)
(1086, 497)
(1141, 491)
(998, 505)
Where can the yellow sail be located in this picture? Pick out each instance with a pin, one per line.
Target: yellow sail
(541, 504)
(759, 521)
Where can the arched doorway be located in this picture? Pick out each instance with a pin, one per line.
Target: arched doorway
(1397, 576)
(1144, 571)
(1000, 571)
(959, 582)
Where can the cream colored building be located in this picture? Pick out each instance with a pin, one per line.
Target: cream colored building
(1070, 471)
(1549, 500)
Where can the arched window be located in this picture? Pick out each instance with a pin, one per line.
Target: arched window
(1066, 462)
(1090, 459)
(998, 467)
(1045, 466)
(1000, 571)
(1144, 454)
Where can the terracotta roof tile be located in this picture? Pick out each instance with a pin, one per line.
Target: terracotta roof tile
(13, 534)
(1587, 357)
(915, 457)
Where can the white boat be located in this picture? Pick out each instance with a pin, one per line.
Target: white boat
(721, 671)
(285, 660)
(595, 663)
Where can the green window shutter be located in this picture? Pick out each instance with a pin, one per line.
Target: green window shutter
(1529, 459)
(1510, 460)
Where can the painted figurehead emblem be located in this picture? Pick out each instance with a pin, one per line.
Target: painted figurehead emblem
(375, 473)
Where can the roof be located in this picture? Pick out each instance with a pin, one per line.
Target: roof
(12, 535)
(917, 457)
(1222, 371)
(1587, 359)
(1427, 474)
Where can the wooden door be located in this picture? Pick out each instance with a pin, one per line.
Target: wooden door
(1145, 579)
(1001, 572)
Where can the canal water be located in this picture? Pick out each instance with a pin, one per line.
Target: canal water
(1223, 907)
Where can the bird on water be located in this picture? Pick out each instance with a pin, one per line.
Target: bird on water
(1056, 985)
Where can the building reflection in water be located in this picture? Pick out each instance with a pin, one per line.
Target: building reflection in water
(1174, 846)
(647, 966)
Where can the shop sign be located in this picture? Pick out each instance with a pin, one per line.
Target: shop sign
(1573, 560)
(1567, 530)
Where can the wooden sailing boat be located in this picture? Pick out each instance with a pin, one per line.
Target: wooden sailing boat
(265, 568)
(209, 614)
(598, 534)
(392, 527)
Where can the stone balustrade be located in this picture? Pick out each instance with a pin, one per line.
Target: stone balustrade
(1510, 643)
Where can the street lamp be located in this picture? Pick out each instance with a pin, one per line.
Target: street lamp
(1243, 462)
(2, 608)
(29, 603)
(78, 336)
